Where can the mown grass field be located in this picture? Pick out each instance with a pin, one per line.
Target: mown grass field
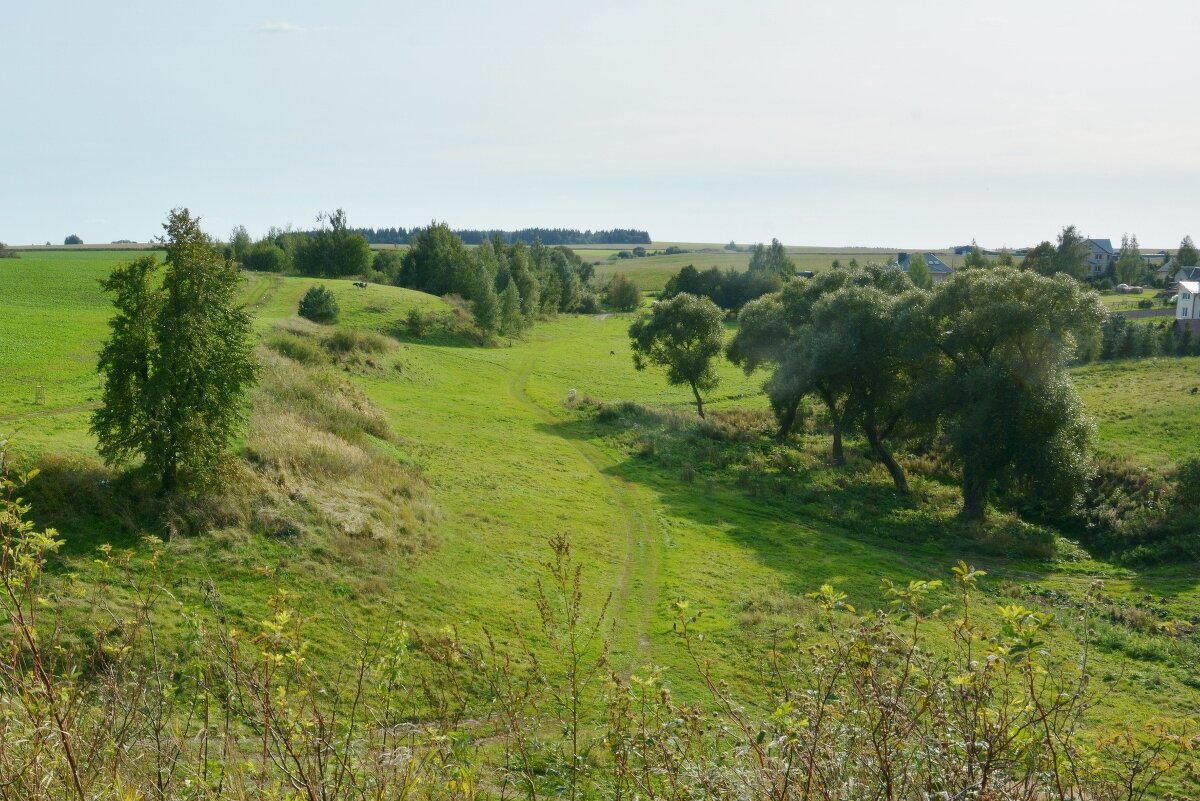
(509, 464)
(1145, 410)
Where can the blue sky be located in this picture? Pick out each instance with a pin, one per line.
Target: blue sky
(905, 124)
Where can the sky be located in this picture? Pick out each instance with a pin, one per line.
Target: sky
(848, 123)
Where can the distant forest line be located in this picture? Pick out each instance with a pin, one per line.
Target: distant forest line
(547, 236)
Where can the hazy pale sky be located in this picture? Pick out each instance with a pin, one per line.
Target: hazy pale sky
(834, 123)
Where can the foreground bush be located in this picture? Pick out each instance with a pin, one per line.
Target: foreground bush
(847, 705)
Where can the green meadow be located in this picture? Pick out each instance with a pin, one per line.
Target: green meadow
(657, 509)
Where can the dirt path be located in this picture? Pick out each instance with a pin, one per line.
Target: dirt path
(51, 412)
(635, 594)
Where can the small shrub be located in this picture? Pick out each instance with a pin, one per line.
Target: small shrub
(623, 294)
(344, 341)
(589, 303)
(319, 305)
(417, 323)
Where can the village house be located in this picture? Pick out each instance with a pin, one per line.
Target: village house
(1172, 273)
(939, 271)
(1186, 305)
(1099, 256)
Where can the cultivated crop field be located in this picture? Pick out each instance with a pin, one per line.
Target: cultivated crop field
(655, 509)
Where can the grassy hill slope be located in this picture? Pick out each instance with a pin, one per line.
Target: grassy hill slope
(509, 463)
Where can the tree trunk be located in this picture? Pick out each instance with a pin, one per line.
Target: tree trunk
(885, 456)
(839, 456)
(169, 477)
(699, 403)
(974, 490)
(789, 420)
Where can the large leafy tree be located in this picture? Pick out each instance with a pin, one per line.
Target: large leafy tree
(773, 331)
(178, 362)
(1004, 400)
(1040, 259)
(683, 335)
(1070, 257)
(863, 341)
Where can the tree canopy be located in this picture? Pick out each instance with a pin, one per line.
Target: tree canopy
(334, 250)
(1187, 255)
(1040, 259)
(918, 271)
(1129, 267)
(683, 335)
(772, 260)
(1006, 405)
(1070, 257)
(775, 331)
(178, 361)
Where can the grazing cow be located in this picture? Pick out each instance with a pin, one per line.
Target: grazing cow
(361, 284)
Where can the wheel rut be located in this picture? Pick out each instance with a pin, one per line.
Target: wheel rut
(635, 594)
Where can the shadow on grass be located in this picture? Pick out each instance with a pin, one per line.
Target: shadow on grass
(90, 504)
(805, 520)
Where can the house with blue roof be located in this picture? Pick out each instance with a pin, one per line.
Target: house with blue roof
(1100, 255)
(938, 270)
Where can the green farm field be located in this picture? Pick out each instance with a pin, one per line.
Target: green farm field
(509, 464)
(652, 272)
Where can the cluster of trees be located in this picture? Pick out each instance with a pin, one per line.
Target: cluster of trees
(1123, 338)
(547, 236)
(976, 365)
(72, 240)
(1068, 255)
(178, 361)
(334, 250)
(770, 267)
(507, 285)
(6, 252)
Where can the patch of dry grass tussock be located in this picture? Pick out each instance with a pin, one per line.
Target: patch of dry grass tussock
(318, 449)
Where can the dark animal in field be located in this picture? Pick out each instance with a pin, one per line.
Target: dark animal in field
(361, 284)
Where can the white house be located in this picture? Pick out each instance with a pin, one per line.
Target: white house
(1099, 255)
(1187, 305)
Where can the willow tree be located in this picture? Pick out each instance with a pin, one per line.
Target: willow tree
(178, 362)
(1003, 397)
(683, 335)
(864, 342)
(773, 332)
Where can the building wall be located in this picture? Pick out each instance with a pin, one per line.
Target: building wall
(1186, 305)
(1097, 261)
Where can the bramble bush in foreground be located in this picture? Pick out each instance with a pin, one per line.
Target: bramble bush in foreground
(847, 705)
